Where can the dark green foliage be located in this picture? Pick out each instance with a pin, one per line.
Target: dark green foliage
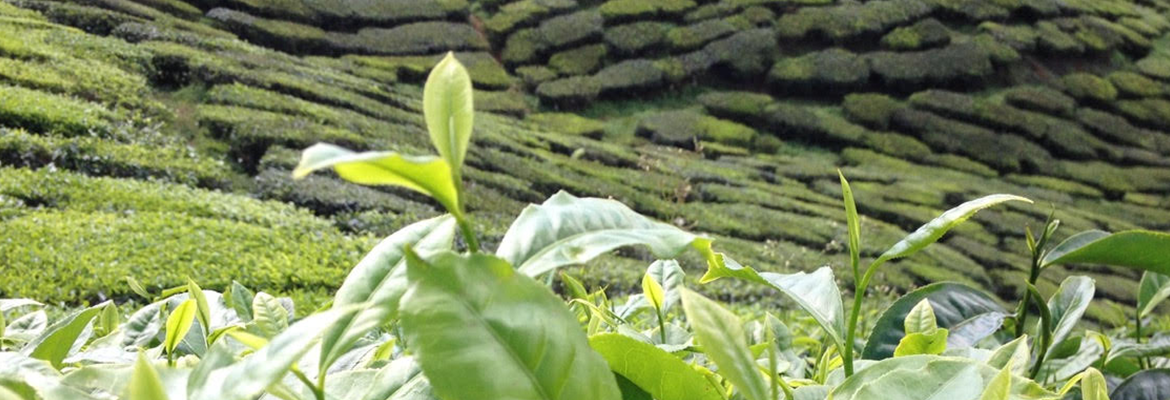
(684, 128)
(747, 53)
(872, 109)
(849, 21)
(502, 102)
(630, 75)
(579, 61)
(922, 35)
(569, 92)
(1154, 113)
(570, 124)
(1051, 39)
(100, 157)
(1156, 66)
(88, 79)
(251, 132)
(89, 19)
(1116, 129)
(354, 13)
(637, 37)
(534, 75)
(1019, 37)
(287, 36)
(1089, 87)
(742, 106)
(712, 10)
(1131, 84)
(694, 36)
(554, 33)
(1042, 99)
(1005, 153)
(524, 13)
(957, 63)
(629, 10)
(829, 70)
(50, 113)
(410, 39)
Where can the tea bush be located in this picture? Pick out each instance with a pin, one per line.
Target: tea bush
(418, 318)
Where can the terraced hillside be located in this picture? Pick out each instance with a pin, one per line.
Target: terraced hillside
(154, 138)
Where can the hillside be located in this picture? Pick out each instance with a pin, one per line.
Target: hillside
(154, 138)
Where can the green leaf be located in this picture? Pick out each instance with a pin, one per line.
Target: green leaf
(721, 335)
(178, 324)
(653, 292)
(241, 301)
(402, 379)
(109, 319)
(268, 316)
(428, 175)
(948, 378)
(7, 305)
(1153, 384)
(1014, 353)
(55, 343)
(247, 378)
(630, 391)
(669, 275)
(973, 330)
(952, 303)
(1093, 386)
(816, 293)
(35, 379)
(6, 394)
(854, 224)
(145, 383)
(481, 330)
(203, 310)
(448, 108)
(567, 230)
(379, 280)
(1000, 387)
(921, 319)
(1152, 291)
(137, 287)
(1144, 250)
(936, 228)
(1159, 346)
(930, 342)
(1068, 304)
(659, 373)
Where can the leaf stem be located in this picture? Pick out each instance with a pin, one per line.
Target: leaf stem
(854, 313)
(661, 324)
(318, 392)
(468, 233)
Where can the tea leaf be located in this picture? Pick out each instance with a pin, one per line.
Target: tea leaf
(428, 175)
(178, 324)
(935, 229)
(481, 330)
(448, 109)
(1144, 250)
(952, 304)
(56, 342)
(659, 373)
(1153, 289)
(721, 334)
(145, 383)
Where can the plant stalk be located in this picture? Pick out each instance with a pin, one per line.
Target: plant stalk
(468, 234)
(661, 324)
(318, 392)
(850, 331)
(1022, 310)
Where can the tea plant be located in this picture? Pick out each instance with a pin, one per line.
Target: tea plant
(417, 319)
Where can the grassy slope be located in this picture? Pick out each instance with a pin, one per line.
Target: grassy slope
(163, 91)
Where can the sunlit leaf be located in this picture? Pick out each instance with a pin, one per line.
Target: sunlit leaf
(720, 333)
(653, 292)
(816, 292)
(853, 222)
(1144, 250)
(949, 378)
(952, 304)
(669, 275)
(655, 371)
(936, 228)
(145, 383)
(245, 379)
(379, 280)
(428, 175)
(1153, 289)
(929, 342)
(1000, 387)
(1068, 304)
(481, 330)
(448, 108)
(1093, 386)
(179, 323)
(567, 230)
(268, 316)
(921, 318)
(57, 340)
